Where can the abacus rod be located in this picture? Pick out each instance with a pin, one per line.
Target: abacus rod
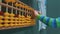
(7, 8)
(19, 11)
(16, 11)
(22, 13)
(27, 11)
(0, 6)
(12, 7)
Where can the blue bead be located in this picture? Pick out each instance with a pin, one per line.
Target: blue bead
(54, 25)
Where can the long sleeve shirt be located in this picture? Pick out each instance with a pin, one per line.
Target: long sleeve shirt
(52, 22)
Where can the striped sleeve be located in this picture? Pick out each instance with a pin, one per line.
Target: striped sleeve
(52, 22)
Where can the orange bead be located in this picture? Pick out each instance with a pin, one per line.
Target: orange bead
(16, 4)
(13, 1)
(23, 6)
(8, 1)
(20, 5)
(26, 7)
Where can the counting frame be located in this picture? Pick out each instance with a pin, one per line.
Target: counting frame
(21, 15)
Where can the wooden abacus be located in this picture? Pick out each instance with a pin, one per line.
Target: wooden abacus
(23, 16)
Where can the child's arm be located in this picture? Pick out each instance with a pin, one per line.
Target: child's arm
(52, 22)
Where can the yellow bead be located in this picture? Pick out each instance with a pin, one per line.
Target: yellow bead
(1, 21)
(6, 14)
(29, 16)
(33, 22)
(11, 18)
(16, 20)
(19, 15)
(20, 21)
(1, 17)
(12, 21)
(6, 17)
(12, 24)
(23, 21)
(16, 24)
(6, 21)
(23, 16)
(12, 15)
(6, 25)
(1, 25)
(28, 21)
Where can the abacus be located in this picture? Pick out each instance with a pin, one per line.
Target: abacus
(20, 15)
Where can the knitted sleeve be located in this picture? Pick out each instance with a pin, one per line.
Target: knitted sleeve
(52, 22)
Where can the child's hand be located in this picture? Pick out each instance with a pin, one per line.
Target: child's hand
(36, 13)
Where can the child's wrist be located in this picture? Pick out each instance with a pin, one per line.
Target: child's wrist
(38, 16)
